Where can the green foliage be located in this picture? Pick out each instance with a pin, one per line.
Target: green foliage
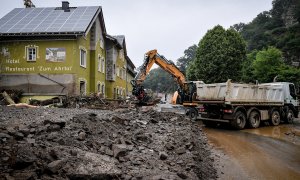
(247, 68)
(267, 64)
(289, 74)
(189, 55)
(159, 80)
(219, 56)
(277, 27)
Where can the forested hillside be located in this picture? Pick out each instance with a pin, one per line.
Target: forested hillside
(278, 27)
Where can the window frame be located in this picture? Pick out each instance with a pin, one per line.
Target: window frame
(84, 56)
(103, 65)
(99, 64)
(28, 54)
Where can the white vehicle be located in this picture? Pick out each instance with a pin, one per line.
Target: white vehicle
(242, 104)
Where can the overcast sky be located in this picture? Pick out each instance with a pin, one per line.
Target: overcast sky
(170, 26)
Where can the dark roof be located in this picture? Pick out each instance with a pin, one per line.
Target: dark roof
(130, 62)
(45, 21)
(120, 39)
(122, 42)
(114, 40)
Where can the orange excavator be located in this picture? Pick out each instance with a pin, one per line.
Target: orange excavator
(185, 89)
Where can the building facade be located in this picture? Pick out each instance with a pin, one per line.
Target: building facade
(60, 51)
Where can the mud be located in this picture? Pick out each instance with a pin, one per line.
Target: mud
(53, 143)
(264, 153)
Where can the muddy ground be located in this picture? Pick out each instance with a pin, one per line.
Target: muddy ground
(54, 143)
(268, 152)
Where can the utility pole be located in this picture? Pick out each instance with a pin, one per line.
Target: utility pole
(28, 4)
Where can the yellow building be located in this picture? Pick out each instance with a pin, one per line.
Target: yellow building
(61, 51)
(118, 65)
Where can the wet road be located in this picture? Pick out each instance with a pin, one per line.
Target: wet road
(265, 153)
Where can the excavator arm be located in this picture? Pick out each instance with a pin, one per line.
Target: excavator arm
(152, 57)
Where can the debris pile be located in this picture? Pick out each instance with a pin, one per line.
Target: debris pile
(56, 143)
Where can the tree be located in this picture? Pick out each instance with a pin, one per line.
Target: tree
(219, 56)
(189, 55)
(159, 80)
(289, 74)
(247, 68)
(267, 64)
(278, 27)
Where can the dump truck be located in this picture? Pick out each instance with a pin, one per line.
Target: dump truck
(245, 104)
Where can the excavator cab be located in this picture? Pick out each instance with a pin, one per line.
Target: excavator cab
(186, 90)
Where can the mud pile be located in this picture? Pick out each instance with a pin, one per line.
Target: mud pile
(100, 144)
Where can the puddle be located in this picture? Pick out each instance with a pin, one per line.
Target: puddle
(263, 153)
(287, 132)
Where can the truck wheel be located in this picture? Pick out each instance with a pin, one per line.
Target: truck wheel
(275, 118)
(290, 117)
(239, 120)
(254, 119)
(193, 114)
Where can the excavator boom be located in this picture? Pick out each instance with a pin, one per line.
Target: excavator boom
(152, 57)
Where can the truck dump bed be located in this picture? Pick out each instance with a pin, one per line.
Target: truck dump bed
(243, 94)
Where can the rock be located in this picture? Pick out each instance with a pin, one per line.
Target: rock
(182, 175)
(163, 155)
(154, 121)
(18, 135)
(180, 162)
(25, 131)
(92, 114)
(54, 166)
(5, 159)
(4, 135)
(32, 130)
(73, 152)
(174, 119)
(169, 146)
(24, 175)
(11, 131)
(53, 127)
(120, 149)
(109, 152)
(53, 154)
(81, 136)
(30, 141)
(180, 150)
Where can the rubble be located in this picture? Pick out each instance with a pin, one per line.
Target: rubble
(60, 143)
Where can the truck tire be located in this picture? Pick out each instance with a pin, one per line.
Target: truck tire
(193, 114)
(275, 118)
(239, 120)
(254, 119)
(289, 117)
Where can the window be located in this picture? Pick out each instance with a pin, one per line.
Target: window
(31, 54)
(98, 87)
(103, 65)
(82, 58)
(114, 70)
(99, 63)
(82, 87)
